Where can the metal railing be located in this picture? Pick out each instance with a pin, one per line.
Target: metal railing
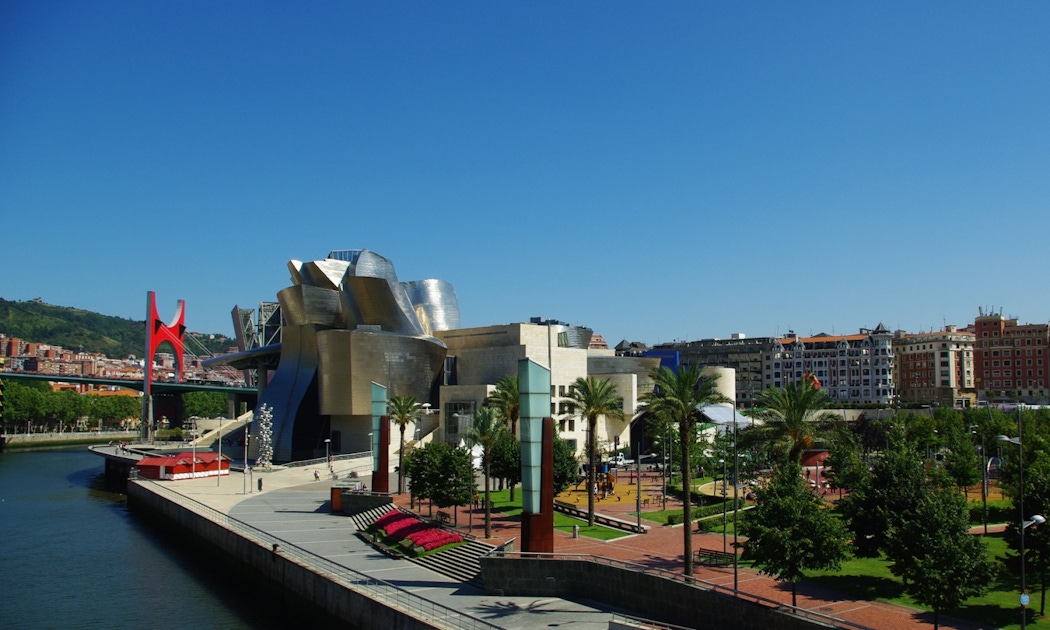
(678, 577)
(373, 588)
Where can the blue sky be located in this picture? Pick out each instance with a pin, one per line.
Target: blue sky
(656, 171)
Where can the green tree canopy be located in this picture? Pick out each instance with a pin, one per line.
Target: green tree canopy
(940, 563)
(791, 532)
(792, 418)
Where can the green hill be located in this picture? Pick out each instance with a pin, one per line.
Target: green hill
(75, 329)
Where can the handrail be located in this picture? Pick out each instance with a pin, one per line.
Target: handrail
(317, 461)
(381, 590)
(678, 577)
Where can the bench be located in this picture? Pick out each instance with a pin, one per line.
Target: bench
(712, 558)
(444, 517)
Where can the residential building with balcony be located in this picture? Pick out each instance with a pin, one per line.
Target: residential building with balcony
(935, 367)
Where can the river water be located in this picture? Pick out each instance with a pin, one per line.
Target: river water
(73, 556)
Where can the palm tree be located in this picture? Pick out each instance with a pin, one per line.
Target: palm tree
(507, 400)
(593, 397)
(793, 416)
(676, 399)
(486, 430)
(403, 409)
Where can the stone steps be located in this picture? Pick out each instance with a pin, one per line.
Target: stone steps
(364, 520)
(459, 563)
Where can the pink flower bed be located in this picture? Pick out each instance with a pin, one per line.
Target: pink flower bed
(433, 538)
(397, 525)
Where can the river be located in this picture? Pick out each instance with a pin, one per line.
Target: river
(73, 556)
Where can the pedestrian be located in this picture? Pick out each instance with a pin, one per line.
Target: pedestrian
(317, 476)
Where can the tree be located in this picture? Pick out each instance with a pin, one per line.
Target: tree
(940, 564)
(403, 410)
(506, 399)
(566, 466)
(441, 473)
(894, 489)
(792, 418)
(791, 532)
(506, 459)
(204, 404)
(844, 466)
(486, 431)
(594, 397)
(675, 400)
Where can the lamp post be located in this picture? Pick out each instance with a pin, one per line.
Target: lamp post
(736, 501)
(244, 472)
(328, 454)
(1036, 519)
(984, 478)
(218, 473)
(724, 493)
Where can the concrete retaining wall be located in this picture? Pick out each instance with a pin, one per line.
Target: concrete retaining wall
(640, 594)
(324, 592)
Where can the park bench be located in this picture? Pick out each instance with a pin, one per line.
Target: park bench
(712, 558)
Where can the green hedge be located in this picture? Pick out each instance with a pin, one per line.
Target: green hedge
(701, 512)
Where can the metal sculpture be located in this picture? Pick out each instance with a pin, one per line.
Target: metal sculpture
(157, 332)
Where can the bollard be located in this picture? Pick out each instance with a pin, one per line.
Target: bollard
(260, 484)
(575, 531)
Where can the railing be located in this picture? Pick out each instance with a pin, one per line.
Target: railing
(320, 461)
(380, 590)
(678, 577)
(601, 519)
(648, 624)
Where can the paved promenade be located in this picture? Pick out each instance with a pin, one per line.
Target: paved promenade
(294, 507)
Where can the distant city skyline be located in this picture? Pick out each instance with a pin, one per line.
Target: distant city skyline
(654, 172)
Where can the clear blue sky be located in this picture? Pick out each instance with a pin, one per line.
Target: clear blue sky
(656, 171)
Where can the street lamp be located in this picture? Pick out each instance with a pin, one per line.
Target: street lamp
(724, 546)
(984, 478)
(218, 475)
(328, 454)
(1036, 518)
(244, 472)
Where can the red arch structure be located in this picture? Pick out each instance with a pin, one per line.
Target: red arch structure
(157, 332)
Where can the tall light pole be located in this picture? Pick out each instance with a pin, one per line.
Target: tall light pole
(724, 494)
(736, 501)
(984, 478)
(218, 476)
(244, 471)
(1036, 519)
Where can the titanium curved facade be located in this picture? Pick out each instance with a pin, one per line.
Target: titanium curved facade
(349, 322)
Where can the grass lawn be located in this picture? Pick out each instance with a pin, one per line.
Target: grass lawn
(501, 502)
(998, 608)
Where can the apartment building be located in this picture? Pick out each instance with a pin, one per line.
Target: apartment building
(740, 353)
(1010, 359)
(935, 367)
(853, 369)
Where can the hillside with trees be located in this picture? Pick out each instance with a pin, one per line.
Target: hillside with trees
(80, 330)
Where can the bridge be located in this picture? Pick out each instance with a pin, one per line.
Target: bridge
(159, 387)
(162, 390)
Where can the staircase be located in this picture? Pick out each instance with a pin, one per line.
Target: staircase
(364, 520)
(459, 563)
